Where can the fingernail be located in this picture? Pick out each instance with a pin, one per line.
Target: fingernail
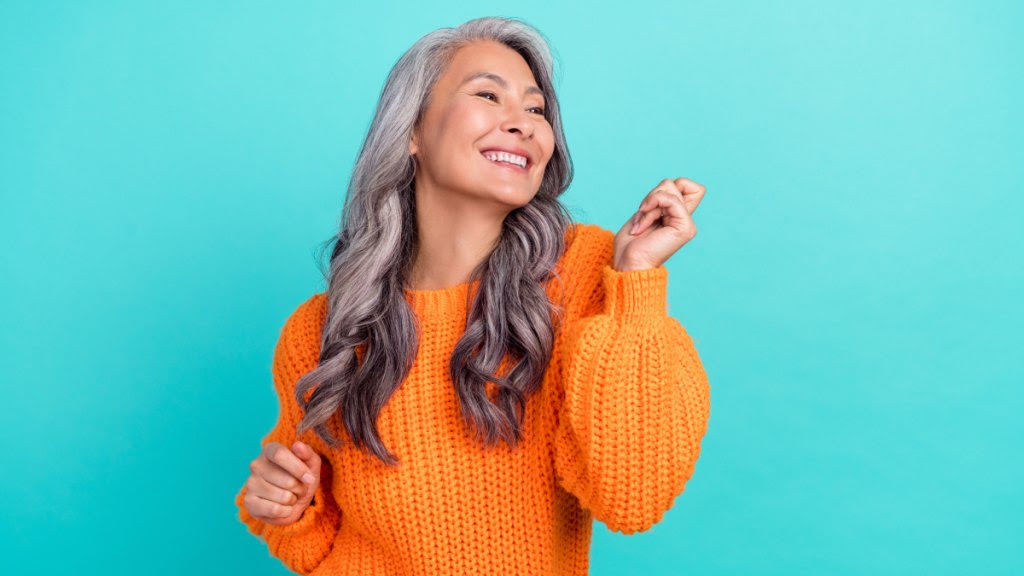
(307, 478)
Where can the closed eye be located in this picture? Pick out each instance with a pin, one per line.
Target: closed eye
(540, 109)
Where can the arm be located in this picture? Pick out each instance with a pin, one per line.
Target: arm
(304, 544)
(636, 402)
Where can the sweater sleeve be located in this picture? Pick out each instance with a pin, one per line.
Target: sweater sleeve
(636, 402)
(304, 544)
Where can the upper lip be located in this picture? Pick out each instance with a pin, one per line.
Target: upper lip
(517, 151)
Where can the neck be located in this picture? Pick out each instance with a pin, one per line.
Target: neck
(456, 233)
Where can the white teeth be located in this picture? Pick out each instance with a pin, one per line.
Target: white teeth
(506, 157)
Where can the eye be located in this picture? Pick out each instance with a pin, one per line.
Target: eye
(539, 109)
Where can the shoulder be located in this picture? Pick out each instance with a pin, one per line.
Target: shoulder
(588, 244)
(308, 314)
(589, 249)
(302, 330)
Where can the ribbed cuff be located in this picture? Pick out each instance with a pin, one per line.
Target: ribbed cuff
(637, 292)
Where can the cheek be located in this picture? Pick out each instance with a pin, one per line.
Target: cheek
(455, 126)
(546, 137)
(468, 121)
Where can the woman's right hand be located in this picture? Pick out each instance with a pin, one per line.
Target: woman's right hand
(281, 483)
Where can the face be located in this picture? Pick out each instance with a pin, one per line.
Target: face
(468, 120)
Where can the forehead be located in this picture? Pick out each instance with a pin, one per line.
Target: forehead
(486, 56)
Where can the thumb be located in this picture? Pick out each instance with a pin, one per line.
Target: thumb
(312, 461)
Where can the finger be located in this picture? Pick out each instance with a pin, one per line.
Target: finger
(665, 207)
(278, 477)
(286, 459)
(260, 487)
(693, 193)
(261, 507)
(663, 189)
(647, 212)
(687, 186)
(309, 456)
(647, 218)
(666, 186)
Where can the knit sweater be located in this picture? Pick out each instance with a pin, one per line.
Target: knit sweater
(613, 434)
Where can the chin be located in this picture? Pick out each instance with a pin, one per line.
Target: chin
(515, 197)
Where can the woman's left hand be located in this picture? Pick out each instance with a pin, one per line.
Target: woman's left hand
(661, 226)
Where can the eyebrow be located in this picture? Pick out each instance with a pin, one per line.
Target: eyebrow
(499, 81)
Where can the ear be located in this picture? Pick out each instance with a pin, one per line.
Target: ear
(413, 145)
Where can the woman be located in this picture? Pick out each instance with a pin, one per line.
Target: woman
(482, 377)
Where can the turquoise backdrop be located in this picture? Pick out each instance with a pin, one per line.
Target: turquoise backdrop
(167, 171)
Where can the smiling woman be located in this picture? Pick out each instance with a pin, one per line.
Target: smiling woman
(530, 379)
(481, 150)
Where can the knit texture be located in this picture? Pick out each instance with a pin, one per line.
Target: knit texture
(613, 435)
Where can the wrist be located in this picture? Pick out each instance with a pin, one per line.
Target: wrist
(631, 266)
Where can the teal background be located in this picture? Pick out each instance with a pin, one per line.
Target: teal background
(168, 170)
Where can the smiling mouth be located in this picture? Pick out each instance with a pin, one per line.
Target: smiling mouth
(516, 167)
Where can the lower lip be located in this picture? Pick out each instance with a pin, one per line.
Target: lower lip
(514, 167)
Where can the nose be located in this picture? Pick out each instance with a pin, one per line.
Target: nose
(517, 121)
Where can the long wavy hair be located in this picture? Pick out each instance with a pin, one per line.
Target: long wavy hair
(510, 319)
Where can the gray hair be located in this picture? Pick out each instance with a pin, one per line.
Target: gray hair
(510, 313)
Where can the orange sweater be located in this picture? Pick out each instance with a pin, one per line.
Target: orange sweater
(613, 434)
